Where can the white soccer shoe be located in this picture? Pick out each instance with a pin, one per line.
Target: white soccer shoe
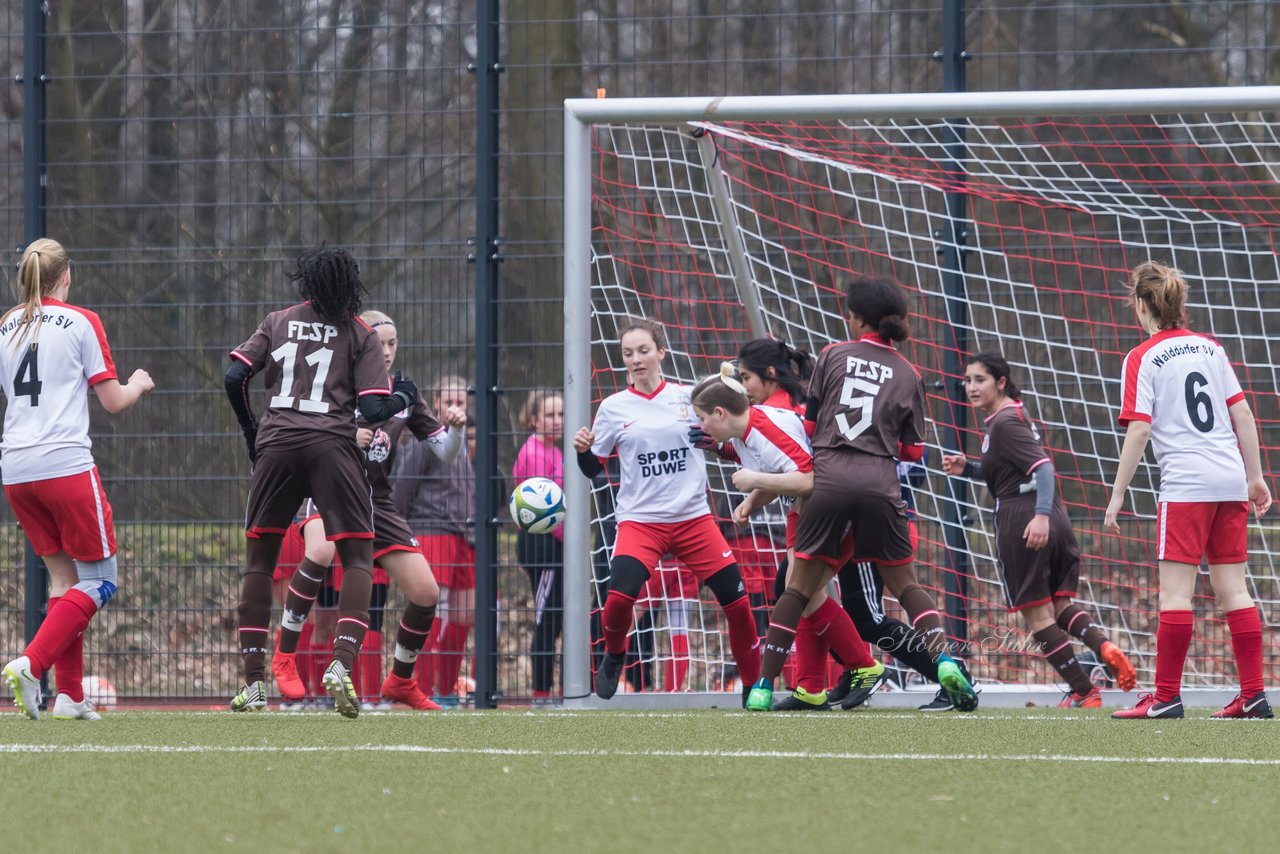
(337, 681)
(67, 709)
(25, 686)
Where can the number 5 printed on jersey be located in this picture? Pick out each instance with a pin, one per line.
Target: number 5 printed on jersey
(287, 356)
(859, 405)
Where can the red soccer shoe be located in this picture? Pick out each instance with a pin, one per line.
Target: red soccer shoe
(284, 667)
(1114, 657)
(405, 690)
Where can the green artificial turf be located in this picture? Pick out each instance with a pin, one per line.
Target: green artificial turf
(1038, 780)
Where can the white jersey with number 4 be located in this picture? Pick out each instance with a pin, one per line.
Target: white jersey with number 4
(1182, 384)
(663, 478)
(46, 420)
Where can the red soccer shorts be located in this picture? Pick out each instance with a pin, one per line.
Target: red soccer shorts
(1186, 531)
(452, 560)
(697, 543)
(66, 514)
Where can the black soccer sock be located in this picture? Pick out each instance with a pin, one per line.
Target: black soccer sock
(303, 589)
(896, 638)
(1057, 649)
(415, 624)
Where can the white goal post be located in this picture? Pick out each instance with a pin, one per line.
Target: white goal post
(733, 218)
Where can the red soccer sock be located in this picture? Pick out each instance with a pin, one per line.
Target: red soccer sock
(811, 657)
(425, 667)
(65, 620)
(678, 666)
(68, 668)
(615, 622)
(1173, 639)
(833, 624)
(369, 667)
(1246, 642)
(453, 640)
(744, 642)
(305, 653)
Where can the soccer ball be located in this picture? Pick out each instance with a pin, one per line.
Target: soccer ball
(99, 691)
(537, 505)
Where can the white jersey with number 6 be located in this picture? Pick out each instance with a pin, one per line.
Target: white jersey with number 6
(46, 378)
(1183, 384)
(663, 478)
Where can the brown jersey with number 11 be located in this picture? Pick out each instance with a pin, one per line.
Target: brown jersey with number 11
(314, 372)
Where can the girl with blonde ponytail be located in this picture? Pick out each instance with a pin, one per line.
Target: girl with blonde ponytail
(51, 354)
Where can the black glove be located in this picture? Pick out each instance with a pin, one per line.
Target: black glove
(251, 439)
(702, 440)
(405, 389)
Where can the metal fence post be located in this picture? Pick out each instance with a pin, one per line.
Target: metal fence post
(36, 580)
(488, 248)
(951, 249)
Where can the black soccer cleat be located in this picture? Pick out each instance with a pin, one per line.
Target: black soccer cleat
(837, 692)
(608, 674)
(801, 700)
(864, 682)
(941, 702)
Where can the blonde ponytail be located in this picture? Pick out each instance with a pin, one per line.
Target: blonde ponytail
(43, 264)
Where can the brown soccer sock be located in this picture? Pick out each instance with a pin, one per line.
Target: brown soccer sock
(303, 589)
(782, 630)
(255, 618)
(922, 611)
(1056, 647)
(1076, 622)
(353, 599)
(415, 625)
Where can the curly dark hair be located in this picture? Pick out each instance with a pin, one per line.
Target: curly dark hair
(329, 279)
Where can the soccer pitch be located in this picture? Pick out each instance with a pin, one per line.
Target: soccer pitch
(1015, 780)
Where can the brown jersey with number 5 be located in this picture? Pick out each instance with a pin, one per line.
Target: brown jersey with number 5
(314, 372)
(868, 399)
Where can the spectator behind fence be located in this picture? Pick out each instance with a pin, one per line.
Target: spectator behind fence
(542, 555)
(437, 499)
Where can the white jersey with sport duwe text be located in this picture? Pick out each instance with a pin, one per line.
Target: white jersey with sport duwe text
(1183, 384)
(663, 479)
(46, 378)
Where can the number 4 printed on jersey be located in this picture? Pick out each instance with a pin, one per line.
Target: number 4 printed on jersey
(860, 404)
(287, 356)
(26, 382)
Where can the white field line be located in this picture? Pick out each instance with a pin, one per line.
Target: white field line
(642, 754)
